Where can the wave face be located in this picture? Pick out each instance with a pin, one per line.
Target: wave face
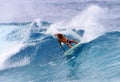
(98, 60)
(30, 53)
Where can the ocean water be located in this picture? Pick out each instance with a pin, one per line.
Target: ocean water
(30, 53)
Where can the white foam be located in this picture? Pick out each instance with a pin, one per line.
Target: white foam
(22, 62)
(36, 26)
(38, 21)
(62, 28)
(88, 20)
(54, 28)
(7, 54)
(51, 63)
(9, 51)
(10, 46)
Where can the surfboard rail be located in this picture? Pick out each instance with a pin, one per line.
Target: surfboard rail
(72, 50)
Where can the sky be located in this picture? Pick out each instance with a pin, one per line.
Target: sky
(50, 10)
(18, 10)
(28, 10)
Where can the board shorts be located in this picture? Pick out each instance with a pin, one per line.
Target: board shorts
(68, 41)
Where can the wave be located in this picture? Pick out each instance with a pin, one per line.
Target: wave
(30, 49)
(98, 60)
(31, 33)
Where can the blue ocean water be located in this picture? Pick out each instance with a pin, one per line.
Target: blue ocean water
(30, 53)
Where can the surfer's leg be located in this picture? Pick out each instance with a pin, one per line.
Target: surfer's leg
(73, 41)
(69, 45)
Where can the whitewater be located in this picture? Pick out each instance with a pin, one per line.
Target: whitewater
(29, 51)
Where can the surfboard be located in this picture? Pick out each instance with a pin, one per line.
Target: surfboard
(73, 50)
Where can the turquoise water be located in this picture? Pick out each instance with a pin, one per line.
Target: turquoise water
(30, 53)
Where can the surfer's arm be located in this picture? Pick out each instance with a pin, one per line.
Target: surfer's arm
(60, 44)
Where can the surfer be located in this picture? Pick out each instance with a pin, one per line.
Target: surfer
(62, 39)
